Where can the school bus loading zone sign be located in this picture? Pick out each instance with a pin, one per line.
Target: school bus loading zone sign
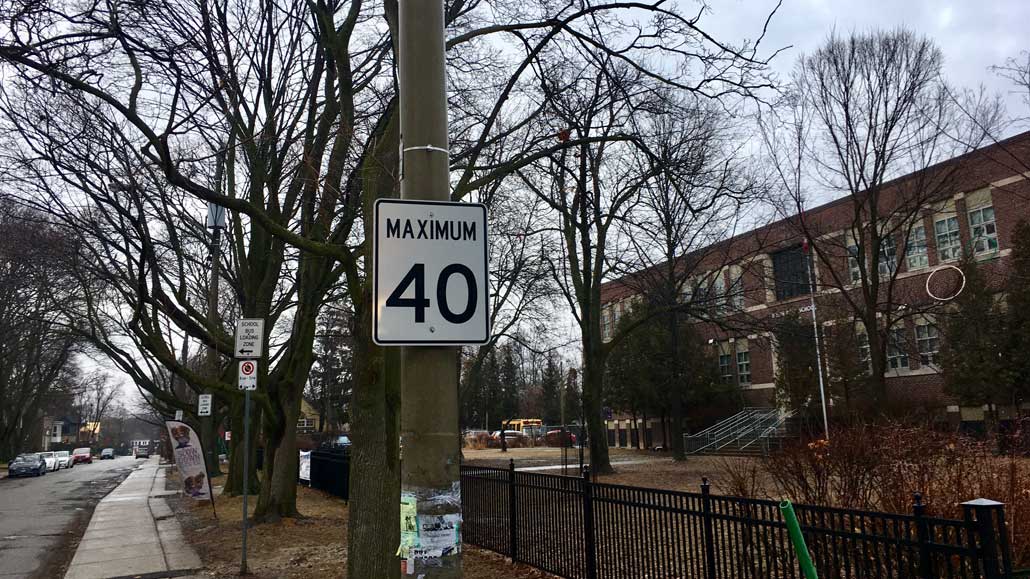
(430, 273)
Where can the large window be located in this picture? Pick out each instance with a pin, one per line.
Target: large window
(885, 266)
(949, 242)
(743, 363)
(864, 353)
(717, 294)
(790, 274)
(726, 368)
(928, 343)
(606, 322)
(983, 230)
(897, 356)
(735, 295)
(915, 249)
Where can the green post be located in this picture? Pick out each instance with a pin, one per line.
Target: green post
(794, 529)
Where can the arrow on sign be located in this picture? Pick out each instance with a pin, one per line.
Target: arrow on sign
(242, 351)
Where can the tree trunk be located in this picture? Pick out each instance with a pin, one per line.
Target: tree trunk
(676, 392)
(375, 461)
(593, 376)
(278, 496)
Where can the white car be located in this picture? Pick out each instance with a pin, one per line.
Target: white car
(50, 458)
(64, 459)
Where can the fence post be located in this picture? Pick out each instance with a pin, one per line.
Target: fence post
(989, 538)
(923, 536)
(513, 527)
(709, 530)
(588, 524)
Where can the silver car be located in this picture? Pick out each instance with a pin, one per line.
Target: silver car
(52, 463)
(64, 459)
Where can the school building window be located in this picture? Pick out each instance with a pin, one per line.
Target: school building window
(915, 249)
(885, 265)
(928, 343)
(717, 294)
(949, 242)
(897, 358)
(983, 230)
(726, 368)
(864, 353)
(736, 292)
(790, 274)
(743, 363)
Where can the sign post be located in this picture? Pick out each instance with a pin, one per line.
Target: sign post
(249, 344)
(435, 300)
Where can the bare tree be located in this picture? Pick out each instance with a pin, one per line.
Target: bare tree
(299, 100)
(37, 354)
(679, 265)
(864, 110)
(95, 396)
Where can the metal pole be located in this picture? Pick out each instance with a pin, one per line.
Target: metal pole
(429, 409)
(207, 423)
(246, 481)
(818, 350)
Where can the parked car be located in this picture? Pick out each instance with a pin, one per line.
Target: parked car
(555, 438)
(64, 459)
(141, 452)
(107, 453)
(339, 443)
(512, 438)
(82, 455)
(31, 464)
(51, 460)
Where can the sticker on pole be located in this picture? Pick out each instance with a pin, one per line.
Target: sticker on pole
(248, 375)
(431, 276)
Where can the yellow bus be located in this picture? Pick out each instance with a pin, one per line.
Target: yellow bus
(528, 426)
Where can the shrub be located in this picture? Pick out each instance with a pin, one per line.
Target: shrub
(879, 467)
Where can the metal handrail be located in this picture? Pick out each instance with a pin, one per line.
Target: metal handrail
(739, 431)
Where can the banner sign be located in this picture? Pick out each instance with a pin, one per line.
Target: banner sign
(189, 458)
(305, 466)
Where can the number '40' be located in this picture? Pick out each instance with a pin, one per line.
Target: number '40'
(417, 275)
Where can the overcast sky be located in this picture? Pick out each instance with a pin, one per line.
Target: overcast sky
(972, 34)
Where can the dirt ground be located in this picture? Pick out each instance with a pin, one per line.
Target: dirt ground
(640, 468)
(544, 455)
(313, 547)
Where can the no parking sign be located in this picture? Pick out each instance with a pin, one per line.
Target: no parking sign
(248, 375)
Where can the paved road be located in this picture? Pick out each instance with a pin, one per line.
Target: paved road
(42, 518)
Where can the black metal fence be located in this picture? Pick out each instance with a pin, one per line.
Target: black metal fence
(575, 528)
(330, 472)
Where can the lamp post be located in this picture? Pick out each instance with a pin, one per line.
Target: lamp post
(215, 222)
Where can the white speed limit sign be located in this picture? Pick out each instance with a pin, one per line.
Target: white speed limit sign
(430, 262)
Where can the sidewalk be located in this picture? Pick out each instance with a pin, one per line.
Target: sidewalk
(134, 533)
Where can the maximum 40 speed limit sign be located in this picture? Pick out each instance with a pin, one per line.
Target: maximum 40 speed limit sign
(430, 273)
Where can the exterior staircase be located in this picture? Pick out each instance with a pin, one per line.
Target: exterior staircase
(750, 432)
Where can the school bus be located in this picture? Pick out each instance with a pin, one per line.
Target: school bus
(529, 426)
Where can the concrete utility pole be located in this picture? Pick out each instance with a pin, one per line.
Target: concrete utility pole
(429, 389)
